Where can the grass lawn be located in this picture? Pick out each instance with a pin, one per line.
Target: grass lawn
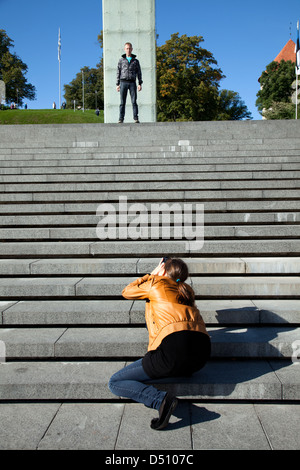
(49, 116)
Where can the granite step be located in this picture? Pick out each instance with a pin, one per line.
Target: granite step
(224, 172)
(99, 287)
(143, 143)
(131, 342)
(168, 182)
(190, 197)
(106, 312)
(160, 141)
(83, 165)
(277, 379)
(80, 219)
(156, 167)
(216, 248)
(149, 132)
(138, 191)
(136, 266)
(210, 232)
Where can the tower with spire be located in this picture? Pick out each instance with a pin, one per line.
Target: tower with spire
(287, 53)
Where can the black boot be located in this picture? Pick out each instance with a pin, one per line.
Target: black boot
(166, 409)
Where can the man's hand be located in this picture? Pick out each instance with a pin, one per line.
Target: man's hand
(139, 87)
(118, 88)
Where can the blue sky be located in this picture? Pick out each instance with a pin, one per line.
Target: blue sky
(243, 37)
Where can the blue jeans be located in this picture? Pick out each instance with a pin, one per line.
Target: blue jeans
(129, 383)
(124, 87)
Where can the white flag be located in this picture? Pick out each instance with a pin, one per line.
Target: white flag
(59, 45)
(298, 51)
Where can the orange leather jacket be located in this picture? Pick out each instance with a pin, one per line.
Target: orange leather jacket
(164, 315)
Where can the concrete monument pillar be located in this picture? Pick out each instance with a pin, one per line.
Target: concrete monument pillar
(129, 21)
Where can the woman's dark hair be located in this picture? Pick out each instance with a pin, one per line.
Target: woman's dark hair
(178, 271)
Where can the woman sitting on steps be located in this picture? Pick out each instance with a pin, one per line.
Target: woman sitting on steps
(179, 344)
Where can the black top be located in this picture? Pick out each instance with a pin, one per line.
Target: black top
(179, 354)
(129, 71)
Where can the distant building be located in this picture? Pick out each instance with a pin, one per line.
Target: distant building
(287, 53)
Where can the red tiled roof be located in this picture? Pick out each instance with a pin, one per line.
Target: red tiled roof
(287, 53)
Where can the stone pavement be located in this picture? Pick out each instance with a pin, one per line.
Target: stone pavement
(125, 426)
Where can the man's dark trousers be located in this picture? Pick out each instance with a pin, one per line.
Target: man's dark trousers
(126, 85)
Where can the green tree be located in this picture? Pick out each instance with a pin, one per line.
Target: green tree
(281, 111)
(12, 72)
(93, 88)
(187, 80)
(276, 84)
(231, 107)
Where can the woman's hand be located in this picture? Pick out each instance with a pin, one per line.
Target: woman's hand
(160, 269)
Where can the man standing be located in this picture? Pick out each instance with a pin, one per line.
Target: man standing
(128, 71)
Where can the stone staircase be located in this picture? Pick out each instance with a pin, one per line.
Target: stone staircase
(64, 327)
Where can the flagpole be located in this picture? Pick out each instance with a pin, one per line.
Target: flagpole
(297, 67)
(59, 88)
(296, 117)
(59, 58)
(82, 90)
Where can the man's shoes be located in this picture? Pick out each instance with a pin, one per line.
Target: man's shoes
(136, 120)
(166, 409)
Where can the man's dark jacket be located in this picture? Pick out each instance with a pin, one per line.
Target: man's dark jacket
(129, 71)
